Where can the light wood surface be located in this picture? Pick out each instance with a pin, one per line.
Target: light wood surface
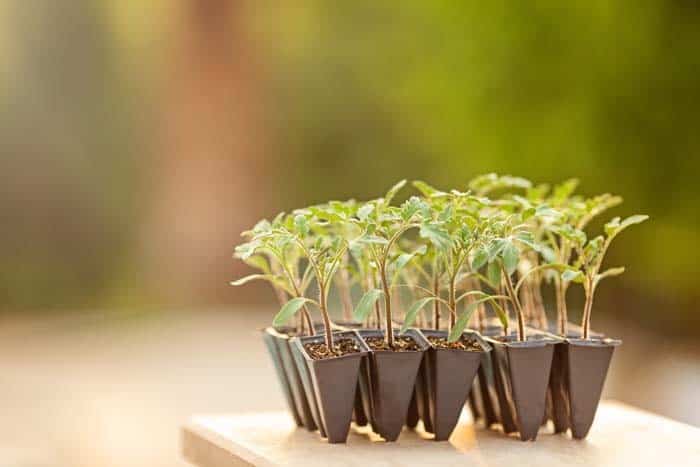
(621, 436)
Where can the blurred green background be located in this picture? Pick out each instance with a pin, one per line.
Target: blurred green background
(139, 138)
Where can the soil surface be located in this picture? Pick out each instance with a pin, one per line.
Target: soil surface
(465, 343)
(344, 346)
(401, 344)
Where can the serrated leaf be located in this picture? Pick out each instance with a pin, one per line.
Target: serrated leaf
(511, 257)
(412, 312)
(288, 310)
(366, 303)
(437, 235)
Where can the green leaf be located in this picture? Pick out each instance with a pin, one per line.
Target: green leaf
(636, 219)
(301, 223)
(412, 205)
(493, 272)
(446, 214)
(412, 312)
(511, 257)
(564, 190)
(495, 248)
(246, 250)
(364, 211)
(258, 262)
(480, 258)
(253, 277)
(571, 275)
(392, 192)
(609, 273)
(461, 323)
(364, 306)
(437, 235)
(373, 239)
(500, 313)
(425, 189)
(288, 310)
(403, 259)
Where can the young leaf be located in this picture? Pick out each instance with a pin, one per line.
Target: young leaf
(461, 323)
(405, 258)
(493, 273)
(392, 192)
(511, 256)
(572, 275)
(253, 277)
(364, 211)
(301, 223)
(413, 312)
(258, 262)
(480, 258)
(609, 273)
(437, 235)
(288, 310)
(364, 306)
(425, 189)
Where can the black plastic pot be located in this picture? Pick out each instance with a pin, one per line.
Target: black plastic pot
(387, 380)
(332, 382)
(448, 379)
(277, 342)
(521, 378)
(558, 386)
(587, 363)
(486, 405)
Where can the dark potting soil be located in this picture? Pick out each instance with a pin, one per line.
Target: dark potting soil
(401, 344)
(465, 343)
(319, 351)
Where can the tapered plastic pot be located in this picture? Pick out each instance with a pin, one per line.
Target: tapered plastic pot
(485, 396)
(277, 342)
(333, 383)
(449, 378)
(387, 381)
(558, 386)
(587, 362)
(521, 376)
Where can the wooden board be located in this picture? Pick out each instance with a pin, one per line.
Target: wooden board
(621, 436)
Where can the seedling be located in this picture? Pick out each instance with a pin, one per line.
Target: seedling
(587, 267)
(454, 230)
(382, 226)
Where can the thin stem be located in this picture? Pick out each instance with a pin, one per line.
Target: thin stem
(562, 312)
(453, 303)
(436, 304)
(586, 320)
(326, 319)
(516, 304)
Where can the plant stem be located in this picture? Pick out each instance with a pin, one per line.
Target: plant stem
(387, 308)
(453, 303)
(586, 320)
(436, 304)
(344, 289)
(516, 304)
(326, 319)
(562, 312)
